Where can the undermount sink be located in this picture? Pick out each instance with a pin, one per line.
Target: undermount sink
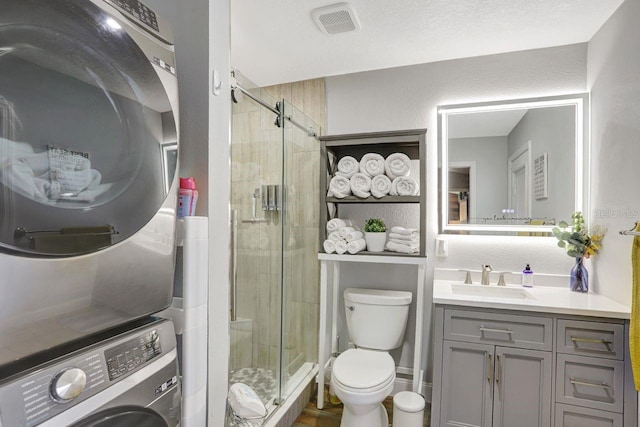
(492, 291)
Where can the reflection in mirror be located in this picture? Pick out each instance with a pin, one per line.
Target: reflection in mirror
(513, 167)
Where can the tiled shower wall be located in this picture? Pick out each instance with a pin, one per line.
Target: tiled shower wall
(256, 161)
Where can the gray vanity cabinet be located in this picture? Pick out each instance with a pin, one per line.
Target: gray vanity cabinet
(501, 368)
(492, 384)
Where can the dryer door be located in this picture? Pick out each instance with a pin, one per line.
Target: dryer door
(87, 131)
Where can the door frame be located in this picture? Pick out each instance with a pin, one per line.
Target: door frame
(524, 150)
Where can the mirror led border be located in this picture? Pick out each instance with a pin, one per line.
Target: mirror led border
(581, 158)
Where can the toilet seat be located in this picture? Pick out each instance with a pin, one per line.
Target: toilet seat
(363, 371)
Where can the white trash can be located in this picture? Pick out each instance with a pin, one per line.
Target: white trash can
(408, 409)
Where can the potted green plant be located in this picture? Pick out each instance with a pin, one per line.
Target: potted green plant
(375, 234)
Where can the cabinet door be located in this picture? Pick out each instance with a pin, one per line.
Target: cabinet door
(467, 378)
(522, 393)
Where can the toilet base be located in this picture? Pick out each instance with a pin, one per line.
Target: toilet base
(377, 417)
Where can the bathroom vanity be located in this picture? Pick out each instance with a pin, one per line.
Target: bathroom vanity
(543, 356)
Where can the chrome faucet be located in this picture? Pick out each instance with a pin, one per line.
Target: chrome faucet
(486, 269)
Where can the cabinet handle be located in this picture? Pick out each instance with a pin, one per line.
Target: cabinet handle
(592, 341)
(502, 331)
(490, 378)
(499, 376)
(590, 384)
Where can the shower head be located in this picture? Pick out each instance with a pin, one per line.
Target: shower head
(236, 95)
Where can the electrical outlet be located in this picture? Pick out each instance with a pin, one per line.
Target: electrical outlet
(442, 248)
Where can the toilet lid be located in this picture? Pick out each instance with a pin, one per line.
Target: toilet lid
(364, 369)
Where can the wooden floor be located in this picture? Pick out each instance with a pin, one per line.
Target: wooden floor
(330, 415)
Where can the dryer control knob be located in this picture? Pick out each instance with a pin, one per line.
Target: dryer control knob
(68, 384)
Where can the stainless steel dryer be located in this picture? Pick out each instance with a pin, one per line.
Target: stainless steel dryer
(126, 377)
(88, 144)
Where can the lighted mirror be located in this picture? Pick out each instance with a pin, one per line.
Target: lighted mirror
(512, 167)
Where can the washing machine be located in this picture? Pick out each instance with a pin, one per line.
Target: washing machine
(124, 377)
(88, 158)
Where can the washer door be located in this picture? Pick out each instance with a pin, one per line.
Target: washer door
(85, 128)
(124, 416)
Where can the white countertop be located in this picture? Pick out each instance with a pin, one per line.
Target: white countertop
(545, 299)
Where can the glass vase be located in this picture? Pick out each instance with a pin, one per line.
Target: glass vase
(579, 276)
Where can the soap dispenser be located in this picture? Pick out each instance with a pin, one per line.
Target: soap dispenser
(527, 277)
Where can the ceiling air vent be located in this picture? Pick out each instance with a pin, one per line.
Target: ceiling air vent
(335, 19)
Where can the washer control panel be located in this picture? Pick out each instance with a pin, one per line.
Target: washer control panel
(126, 357)
(47, 390)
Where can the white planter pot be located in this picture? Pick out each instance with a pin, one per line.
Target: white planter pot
(375, 241)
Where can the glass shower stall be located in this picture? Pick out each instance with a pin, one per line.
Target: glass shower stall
(275, 274)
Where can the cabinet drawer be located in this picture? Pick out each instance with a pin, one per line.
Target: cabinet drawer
(576, 416)
(591, 382)
(591, 339)
(501, 329)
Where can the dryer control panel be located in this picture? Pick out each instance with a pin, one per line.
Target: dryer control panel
(52, 388)
(139, 11)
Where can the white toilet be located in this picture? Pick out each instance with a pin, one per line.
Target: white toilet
(363, 377)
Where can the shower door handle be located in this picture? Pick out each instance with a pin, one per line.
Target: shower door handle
(233, 304)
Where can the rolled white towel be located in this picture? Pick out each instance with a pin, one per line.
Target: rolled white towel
(329, 246)
(354, 235)
(334, 236)
(361, 185)
(336, 223)
(402, 230)
(397, 164)
(343, 231)
(372, 164)
(380, 186)
(348, 166)
(341, 247)
(405, 237)
(356, 246)
(396, 247)
(404, 186)
(339, 187)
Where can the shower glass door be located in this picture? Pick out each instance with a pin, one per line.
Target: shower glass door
(274, 193)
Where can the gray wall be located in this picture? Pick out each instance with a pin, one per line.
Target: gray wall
(614, 81)
(407, 97)
(490, 156)
(552, 131)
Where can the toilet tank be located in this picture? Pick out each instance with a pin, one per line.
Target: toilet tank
(377, 319)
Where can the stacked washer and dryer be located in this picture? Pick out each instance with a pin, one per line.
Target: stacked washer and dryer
(88, 143)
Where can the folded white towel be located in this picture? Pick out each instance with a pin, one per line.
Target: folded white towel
(343, 231)
(336, 223)
(405, 237)
(334, 236)
(348, 166)
(339, 187)
(380, 186)
(401, 230)
(404, 186)
(397, 164)
(354, 235)
(372, 164)
(341, 247)
(356, 246)
(407, 243)
(405, 249)
(361, 185)
(329, 246)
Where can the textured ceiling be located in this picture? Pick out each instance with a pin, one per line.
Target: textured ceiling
(277, 41)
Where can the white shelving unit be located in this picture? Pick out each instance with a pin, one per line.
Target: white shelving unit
(329, 307)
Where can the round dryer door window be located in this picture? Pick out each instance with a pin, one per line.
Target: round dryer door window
(87, 126)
